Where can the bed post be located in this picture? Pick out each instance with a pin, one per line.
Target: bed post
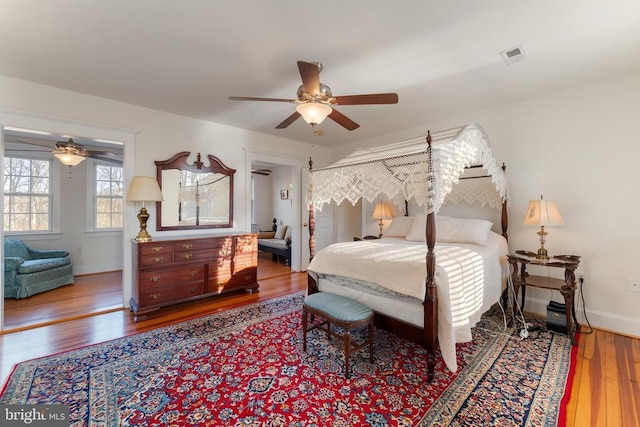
(505, 215)
(312, 221)
(430, 303)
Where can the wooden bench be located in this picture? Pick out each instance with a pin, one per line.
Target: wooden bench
(339, 311)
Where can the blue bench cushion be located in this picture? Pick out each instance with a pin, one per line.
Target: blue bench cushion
(340, 308)
(34, 265)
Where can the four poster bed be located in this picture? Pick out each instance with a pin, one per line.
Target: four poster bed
(431, 294)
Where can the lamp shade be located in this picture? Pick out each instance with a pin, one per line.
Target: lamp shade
(144, 189)
(314, 112)
(68, 159)
(543, 212)
(381, 212)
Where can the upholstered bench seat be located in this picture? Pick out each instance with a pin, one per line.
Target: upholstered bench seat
(340, 311)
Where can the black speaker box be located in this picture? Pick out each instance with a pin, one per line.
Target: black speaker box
(556, 317)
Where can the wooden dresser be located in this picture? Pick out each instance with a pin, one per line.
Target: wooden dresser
(168, 271)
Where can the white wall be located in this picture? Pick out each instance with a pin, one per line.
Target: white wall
(158, 136)
(580, 147)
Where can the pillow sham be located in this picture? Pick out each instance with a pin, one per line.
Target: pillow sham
(418, 230)
(399, 227)
(452, 230)
(280, 232)
(459, 230)
(287, 234)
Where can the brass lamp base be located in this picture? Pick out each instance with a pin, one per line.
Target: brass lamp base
(542, 252)
(143, 235)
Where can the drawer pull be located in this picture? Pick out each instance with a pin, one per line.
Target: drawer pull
(192, 273)
(156, 249)
(154, 296)
(155, 278)
(219, 268)
(220, 283)
(157, 259)
(192, 289)
(247, 277)
(187, 246)
(187, 256)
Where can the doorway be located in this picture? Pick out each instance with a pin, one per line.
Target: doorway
(94, 250)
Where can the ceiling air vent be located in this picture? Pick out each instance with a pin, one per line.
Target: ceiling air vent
(513, 55)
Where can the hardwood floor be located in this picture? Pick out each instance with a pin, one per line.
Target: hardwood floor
(606, 386)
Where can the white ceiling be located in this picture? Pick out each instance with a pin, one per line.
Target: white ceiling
(441, 57)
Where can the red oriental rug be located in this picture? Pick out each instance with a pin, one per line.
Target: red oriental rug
(246, 367)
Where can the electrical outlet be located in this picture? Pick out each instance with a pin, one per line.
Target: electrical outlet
(634, 284)
(580, 275)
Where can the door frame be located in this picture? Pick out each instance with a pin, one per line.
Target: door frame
(297, 163)
(53, 124)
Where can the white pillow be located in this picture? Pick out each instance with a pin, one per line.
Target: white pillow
(451, 230)
(418, 230)
(459, 230)
(287, 234)
(399, 227)
(280, 232)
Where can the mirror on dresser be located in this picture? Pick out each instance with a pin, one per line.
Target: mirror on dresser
(195, 196)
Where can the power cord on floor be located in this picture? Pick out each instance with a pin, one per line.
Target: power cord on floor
(584, 308)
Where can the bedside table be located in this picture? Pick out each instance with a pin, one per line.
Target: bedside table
(357, 239)
(567, 287)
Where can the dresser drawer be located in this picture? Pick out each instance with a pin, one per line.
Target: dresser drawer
(198, 244)
(187, 256)
(241, 262)
(221, 267)
(156, 248)
(164, 294)
(248, 241)
(156, 260)
(242, 278)
(157, 278)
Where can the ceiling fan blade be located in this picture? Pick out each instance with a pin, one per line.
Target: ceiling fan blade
(105, 158)
(373, 98)
(343, 120)
(286, 122)
(251, 98)
(23, 150)
(33, 143)
(310, 74)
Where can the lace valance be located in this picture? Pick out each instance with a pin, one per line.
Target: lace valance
(400, 171)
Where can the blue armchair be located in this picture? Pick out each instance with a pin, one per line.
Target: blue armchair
(28, 271)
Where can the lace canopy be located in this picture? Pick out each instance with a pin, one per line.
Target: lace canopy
(401, 172)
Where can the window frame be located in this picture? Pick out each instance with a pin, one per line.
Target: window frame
(92, 198)
(54, 196)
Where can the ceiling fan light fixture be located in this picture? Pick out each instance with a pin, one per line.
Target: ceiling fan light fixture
(314, 112)
(67, 158)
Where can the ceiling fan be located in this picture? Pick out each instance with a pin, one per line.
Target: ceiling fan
(316, 102)
(70, 153)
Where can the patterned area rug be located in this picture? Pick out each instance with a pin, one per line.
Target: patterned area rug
(246, 367)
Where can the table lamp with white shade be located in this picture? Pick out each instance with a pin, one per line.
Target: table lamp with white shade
(543, 213)
(144, 189)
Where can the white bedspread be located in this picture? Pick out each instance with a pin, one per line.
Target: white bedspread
(469, 278)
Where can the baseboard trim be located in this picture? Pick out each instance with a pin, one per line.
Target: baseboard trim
(623, 325)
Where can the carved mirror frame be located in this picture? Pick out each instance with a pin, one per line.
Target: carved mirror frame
(179, 161)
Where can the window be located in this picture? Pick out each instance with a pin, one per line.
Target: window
(109, 185)
(27, 194)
